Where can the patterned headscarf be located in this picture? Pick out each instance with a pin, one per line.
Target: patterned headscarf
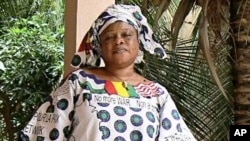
(89, 53)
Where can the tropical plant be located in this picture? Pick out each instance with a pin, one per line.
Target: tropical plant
(31, 60)
(11, 9)
(198, 71)
(241, 54)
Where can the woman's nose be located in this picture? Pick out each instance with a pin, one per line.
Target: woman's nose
(119, 40)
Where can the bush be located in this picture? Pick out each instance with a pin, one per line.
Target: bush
(31, 63)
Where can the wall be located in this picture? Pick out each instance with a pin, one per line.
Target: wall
(79, 15)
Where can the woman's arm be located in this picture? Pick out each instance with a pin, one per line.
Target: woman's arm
(53, 120)
(172, 125)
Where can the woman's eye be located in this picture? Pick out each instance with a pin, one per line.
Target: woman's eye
(127, 35)
(108, 37)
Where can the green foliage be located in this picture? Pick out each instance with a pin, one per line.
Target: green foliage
(31, 63)
(31, 53)
(12, 9)
(186, 73)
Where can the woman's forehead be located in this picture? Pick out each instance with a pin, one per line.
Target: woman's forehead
(119, 25)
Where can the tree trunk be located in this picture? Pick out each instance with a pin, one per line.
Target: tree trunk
(240, 23)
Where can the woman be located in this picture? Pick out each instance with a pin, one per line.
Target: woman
(105, 99)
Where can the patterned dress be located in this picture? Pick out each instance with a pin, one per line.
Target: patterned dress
(86, 108)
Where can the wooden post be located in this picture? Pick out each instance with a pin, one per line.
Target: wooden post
(79, 15)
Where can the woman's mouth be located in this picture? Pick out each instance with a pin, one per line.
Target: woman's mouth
(120, 50)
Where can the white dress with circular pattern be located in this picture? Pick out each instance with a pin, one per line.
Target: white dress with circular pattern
(85, 108)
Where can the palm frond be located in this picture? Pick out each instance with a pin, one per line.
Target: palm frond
(205, 47)
(186, 72)
(183, 10)
(190, 84)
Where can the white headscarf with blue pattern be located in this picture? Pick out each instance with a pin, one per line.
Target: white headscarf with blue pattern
(89, 54)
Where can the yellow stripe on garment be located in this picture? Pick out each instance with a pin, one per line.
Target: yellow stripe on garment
(121, 90)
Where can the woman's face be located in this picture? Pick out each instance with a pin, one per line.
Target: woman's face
(119, 44)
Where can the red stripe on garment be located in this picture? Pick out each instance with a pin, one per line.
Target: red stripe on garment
(109, 87)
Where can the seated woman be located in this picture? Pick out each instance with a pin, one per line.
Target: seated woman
(105, 99)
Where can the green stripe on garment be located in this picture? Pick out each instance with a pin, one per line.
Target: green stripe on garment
(89, 86)
(131, 91)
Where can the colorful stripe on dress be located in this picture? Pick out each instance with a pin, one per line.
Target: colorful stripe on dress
(118, 88)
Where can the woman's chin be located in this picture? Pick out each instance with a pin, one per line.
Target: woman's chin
(121, 62)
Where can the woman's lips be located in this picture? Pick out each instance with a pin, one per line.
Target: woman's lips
(120, 50)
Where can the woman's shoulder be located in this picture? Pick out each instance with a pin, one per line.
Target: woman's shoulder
(152, 89)
(159, 85)
(162, 88)
(90, 75)
(82, 73)
(152, 83)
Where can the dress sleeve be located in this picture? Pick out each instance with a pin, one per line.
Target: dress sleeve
(53, 119)
(172, 125)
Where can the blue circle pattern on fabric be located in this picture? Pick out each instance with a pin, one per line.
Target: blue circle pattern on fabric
(150, 131)
(103, 104)
(175, 114)
(135, 109)
(87, 96)
(62, 104)
(103, 115)
(105, 132)
(119, 138)
(66, 131)
(136, 120)
(178, 127)
(150, 117)
(120, 126)
(54, 134)
(166, 124)
(136, 135)
(120, 111)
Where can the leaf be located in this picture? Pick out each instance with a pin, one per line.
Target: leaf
(183, 9)
(2, 67)
(163, 7)
(205, 47)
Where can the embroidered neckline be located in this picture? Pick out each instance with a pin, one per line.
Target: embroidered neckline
(120, 88)
(99, 80)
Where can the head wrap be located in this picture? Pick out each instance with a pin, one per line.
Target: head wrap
(89, 54)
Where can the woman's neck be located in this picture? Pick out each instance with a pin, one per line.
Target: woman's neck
(124, 74)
